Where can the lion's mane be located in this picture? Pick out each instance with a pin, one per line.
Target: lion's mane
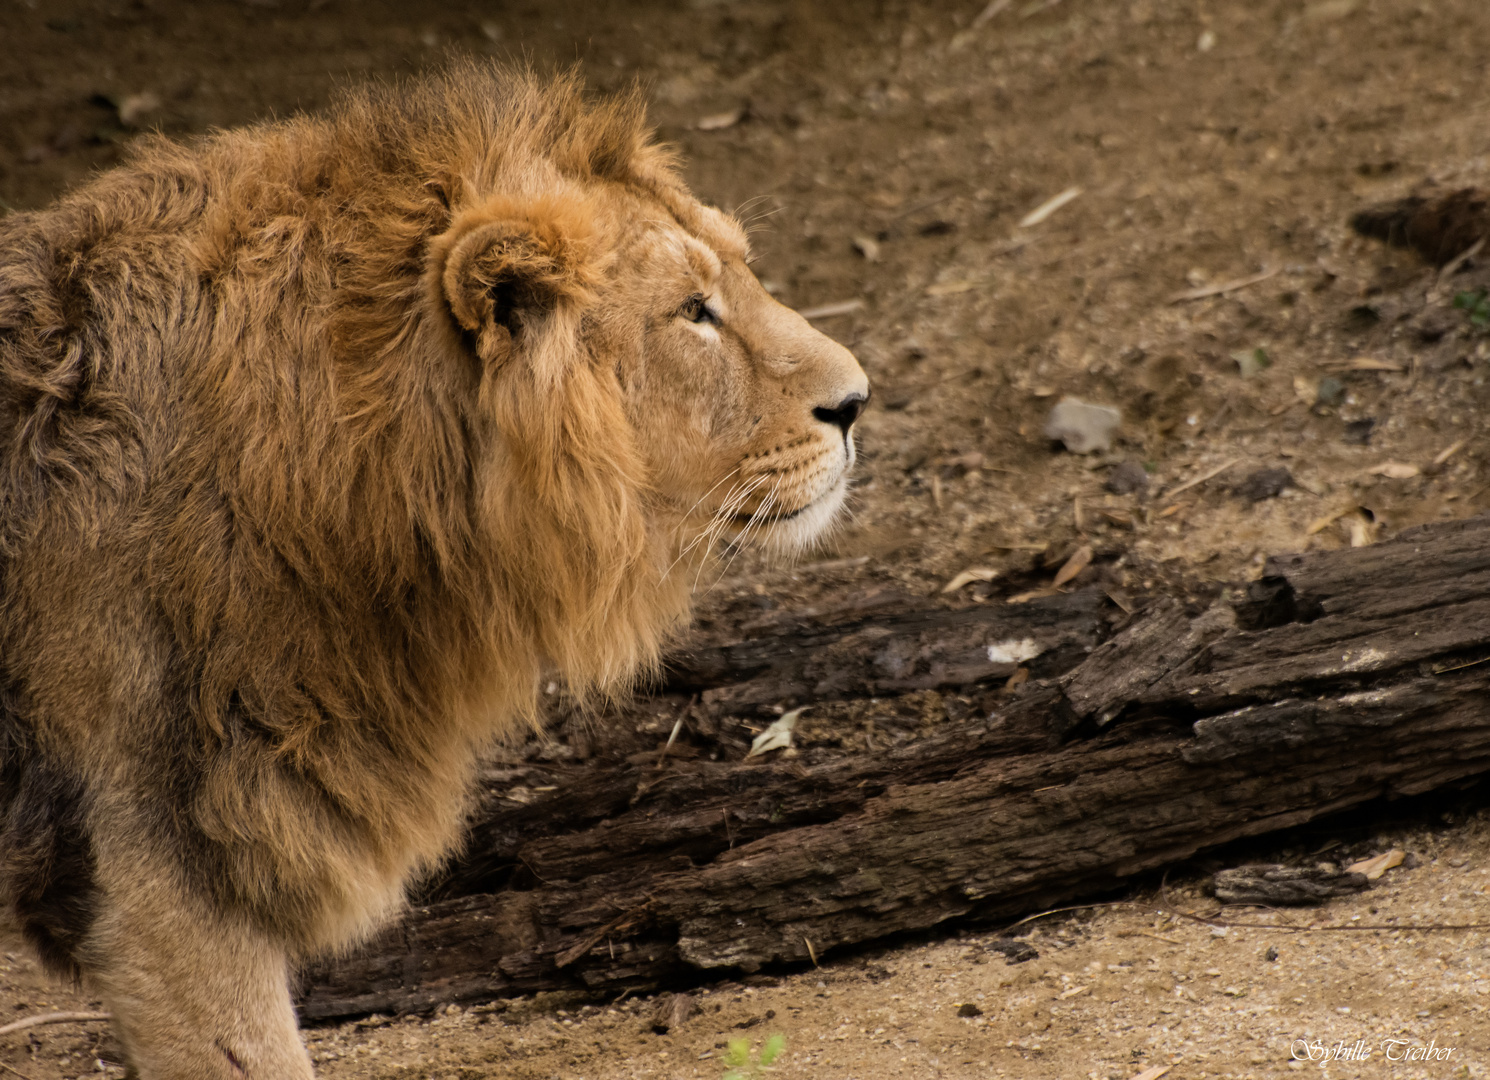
(276, 556)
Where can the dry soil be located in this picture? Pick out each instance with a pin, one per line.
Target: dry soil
(887, 154)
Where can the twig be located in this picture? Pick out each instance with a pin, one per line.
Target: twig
(677, 727)
(54, 1018)
(1048, 207)
(1211, 920)
(1188, 484)
(1059, 910)
(927, 205)
(1452, 266)
(828, 311)
(1216, 290)
(12, 1068)
(994, 8)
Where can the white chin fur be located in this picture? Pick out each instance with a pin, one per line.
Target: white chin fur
(797, 534)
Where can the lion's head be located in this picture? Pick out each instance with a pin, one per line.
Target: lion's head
(741, 412)
(646, 397)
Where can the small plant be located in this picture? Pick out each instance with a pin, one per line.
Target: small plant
(1477, 304)
(741, 1067)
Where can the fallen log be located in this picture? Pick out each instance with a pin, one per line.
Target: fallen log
(1339, 678)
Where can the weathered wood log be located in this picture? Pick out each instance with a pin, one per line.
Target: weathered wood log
(1340, 678)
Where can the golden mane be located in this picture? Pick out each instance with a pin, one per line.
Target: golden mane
(357, 529)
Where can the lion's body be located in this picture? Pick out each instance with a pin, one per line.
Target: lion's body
(320, 443)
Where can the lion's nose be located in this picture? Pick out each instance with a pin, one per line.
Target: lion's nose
(844, 413)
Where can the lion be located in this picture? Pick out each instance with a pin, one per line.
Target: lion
(322, 444)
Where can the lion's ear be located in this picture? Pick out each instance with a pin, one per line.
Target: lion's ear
(506, 269)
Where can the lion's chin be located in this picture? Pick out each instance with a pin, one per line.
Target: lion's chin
(792, 535)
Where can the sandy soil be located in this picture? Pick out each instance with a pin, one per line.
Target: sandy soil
(1114, 991)
(887, 154)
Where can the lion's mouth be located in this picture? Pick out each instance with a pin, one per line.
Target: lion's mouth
(771, 518)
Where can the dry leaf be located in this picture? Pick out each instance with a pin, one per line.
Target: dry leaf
(1362, 531)
(1374, 867)
(779, 735)
(1321, 523)
(1396, 470)
(1074, 565)
(970, 575)
(720, 121)
(1158, 1070)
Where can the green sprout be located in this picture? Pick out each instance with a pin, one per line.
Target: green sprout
(1477, 304)
(738, 1058)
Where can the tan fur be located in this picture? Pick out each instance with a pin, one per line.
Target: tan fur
(321, 444)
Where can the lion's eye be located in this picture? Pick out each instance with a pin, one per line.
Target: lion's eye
(695, 310)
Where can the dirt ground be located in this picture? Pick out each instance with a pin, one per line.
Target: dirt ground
(886, 154)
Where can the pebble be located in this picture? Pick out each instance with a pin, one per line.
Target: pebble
(1127, 478)
(1082, 426)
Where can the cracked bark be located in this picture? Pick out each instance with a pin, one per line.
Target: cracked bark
(1340, 678)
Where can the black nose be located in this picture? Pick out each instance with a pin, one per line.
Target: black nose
(844, 413)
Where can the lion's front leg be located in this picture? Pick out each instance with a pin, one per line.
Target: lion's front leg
(196, 993)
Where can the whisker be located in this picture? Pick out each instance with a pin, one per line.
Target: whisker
(682, 554)
(723, 516)
(758, 521)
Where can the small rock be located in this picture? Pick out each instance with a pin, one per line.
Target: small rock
(1264, 484)
(1330, 393)
(1271, 954)
(1082, 426)
(1251, 362)
(720, 121)
(969, 1009)
(1127, 478)
(1358, 432)
(133, 108)
(672, 1011)
(1411, 862)
(1014, 950)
